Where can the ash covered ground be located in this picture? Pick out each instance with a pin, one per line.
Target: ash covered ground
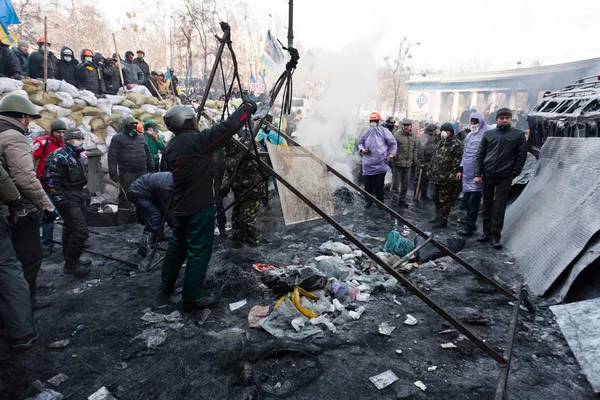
(224, 359)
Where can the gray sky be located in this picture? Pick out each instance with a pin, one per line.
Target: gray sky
(453, 34)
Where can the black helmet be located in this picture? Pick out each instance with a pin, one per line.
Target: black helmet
(181, 118)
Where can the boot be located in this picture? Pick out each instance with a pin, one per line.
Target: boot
(75, 268)
(26, 342)
(402, 203)
(145, 243)
(467, 230)
(484, 238)
(433, 221)
(46, 252)
(222, 231)
(39, 304)
(424, 196)
(86, 262)
(198, 305)
(164, 292)
(496, 242)
(442, 223)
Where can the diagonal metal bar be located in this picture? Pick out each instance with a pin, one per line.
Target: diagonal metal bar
(412, 253)
(508, 349)
(413, 227)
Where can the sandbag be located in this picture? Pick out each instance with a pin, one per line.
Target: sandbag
(105, 105)
(150, 109)
(217, 105)
(108, 134)
(145, 116)
(89, 97)
(34, 130)
(97, 124)
(91, 141)
(235, 102)
(21, 93)
(128, 103)
(80, 102)
(67, 99)
(115, 99)
(121, 109)
(60, 112)
(76, 107)
(93, 111)
(138, 98)
(102, 147)
(152, 101)
(8, 85)
(160, 122)
(46, 119)
(32, 85)
(54, 85)
(70, 123)
(138, 90)
(85, 121)
(137, 112)
(77, 117)
(41, 98)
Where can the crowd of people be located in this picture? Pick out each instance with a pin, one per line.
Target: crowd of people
(94, 72)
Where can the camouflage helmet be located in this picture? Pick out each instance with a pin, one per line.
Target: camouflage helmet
(181, 118)
(13, 103)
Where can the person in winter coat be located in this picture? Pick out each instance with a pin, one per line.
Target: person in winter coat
(65, 177)
(143, 65)
(378, 148)
(151, 193)
(133, 73)
(501, 156)
(15, 304)
(173, 80)
(9, 64)
(89, 76)
(67, 66)
(36, 62)
(471, 190)
(406, 157)
(21, 51)
(155, 142)
(152, 84)
(189, 156)
(425, 147)
(445, 165)
(42, 147)
(16, 113)
(162, 85)
(128, 158)
(112, 77)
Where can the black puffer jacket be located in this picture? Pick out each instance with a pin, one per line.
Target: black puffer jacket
(189, 156)
(502, 154)
(36, 65)
(129, 154)
(155, 187)
(23, 59)
(89, 77)
(67, 71)
(144, 67)
(112, 78)
(9, 65)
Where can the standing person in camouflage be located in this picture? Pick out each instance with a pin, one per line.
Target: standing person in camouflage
(445, 165)
(425, 147)
(245, 212)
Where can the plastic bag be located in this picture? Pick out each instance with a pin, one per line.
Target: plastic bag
(398, 244)
(67, 100)
(89, 97)
(114, 99)
(8, 85)
(150, 109)
(105, 105)
(55, 85)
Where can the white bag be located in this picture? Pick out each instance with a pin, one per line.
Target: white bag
(110, 132)
(8, 85)
(68, 100)
(105, 105)
(55, 85)
(150, 109)
(60, 112)
(115, 99)
(89, 97)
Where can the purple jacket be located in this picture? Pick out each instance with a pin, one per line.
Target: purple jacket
(381, 143)
(471, 146)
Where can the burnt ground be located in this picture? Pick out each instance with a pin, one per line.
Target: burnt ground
(219, 359)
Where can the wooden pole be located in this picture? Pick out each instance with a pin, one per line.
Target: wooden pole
(119, 61)
(45, 54)
(156, 90)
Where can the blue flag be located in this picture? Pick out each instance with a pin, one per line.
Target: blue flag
(272, 49)
(252, 78)
(8, 15)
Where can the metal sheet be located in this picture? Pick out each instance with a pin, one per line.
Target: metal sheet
(308, 176)
(580, 324)
(552, 221)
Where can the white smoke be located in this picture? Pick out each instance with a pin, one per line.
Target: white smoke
(351, 77)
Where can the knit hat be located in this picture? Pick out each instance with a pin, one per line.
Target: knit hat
(58, 125)
(431, 127)
(504, 112)
(74, 133)
(22, 43)
(447, 127)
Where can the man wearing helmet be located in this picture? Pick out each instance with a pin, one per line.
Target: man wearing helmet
(189, 156)
(36, 62)
(89, 76)
(16, 113)
(378, 148)
(128, 158)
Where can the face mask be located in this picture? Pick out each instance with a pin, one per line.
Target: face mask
(444, 135)
(78, 143)
(87, 59)
(68, 58)
(475, 128)
(373, 123)
(150, 130)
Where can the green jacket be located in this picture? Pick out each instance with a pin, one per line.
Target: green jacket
(445, 163)
(154, 145)
(406, 156)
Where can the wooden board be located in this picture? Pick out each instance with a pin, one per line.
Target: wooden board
(308, 176)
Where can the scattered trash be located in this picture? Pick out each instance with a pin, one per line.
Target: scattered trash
(203, 316)
(399, 351)
(431, 369)
(257, 314)
(363, 297)
(46, 394)
(420, 385)
(357, 313)
(307, 278)
(521, 306)
(298, 323)
(58, 379)
(509, 263)
(154, 337)
(338, 306)
(321, 258)
(410, 320)
(121, 366)
(358, 253)
(61, 344)
(343, 292)
(237, 305)
(295, 296)
(153, 318)
(93, 282)
(279, 320)
(296, 260)
(397, 244)
(447, 331)
(323, 319)
(386, 329)
(329, 268)
(102, 394)
(340, 248)
(384, 379)
(262, 267)
(77, 330)
(449, 345)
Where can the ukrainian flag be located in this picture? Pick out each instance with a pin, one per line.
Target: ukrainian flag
(8, 16)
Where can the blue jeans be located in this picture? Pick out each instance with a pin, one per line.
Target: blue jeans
(48, 236)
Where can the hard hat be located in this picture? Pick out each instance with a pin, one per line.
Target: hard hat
(179, 118)
(139, 128)
(42, 40)
(87, 53)
(17, 104)
(374, 116)
(129, 120)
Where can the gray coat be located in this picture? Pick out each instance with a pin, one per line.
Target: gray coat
(133, 73)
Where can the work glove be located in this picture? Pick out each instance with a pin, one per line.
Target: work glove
(16, 209)
(253, 105)
(154, 136)
(87, 197)
(49, 217)
(18, 76)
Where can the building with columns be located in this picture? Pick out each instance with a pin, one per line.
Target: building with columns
(444, 97)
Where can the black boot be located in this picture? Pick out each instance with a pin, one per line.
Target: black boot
(467, 230)
(424, 196)
(73, 265)
(440, 224)
(198, 305)
(26, 342)
(484, 238)
(496, 242)
(46, 252)
(145, 244)
(222, 231)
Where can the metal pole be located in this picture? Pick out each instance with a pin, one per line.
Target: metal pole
(119, 62)
(45, 54)
(290, 36)
(508, 349)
